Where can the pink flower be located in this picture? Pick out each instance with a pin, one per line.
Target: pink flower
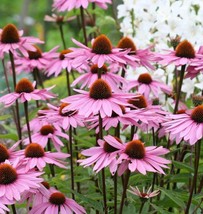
(196, 66)
(103, 155)
(187, 126)
(101, 52)
(150, 116)
(11, 40)
(130, 117)
(62, 62)
(56, 201)
(48, 132)
(8, 154)
(107, 74)
(101, 3)
(14, 181)
(146, 85)
(143, 194)
(141, 57)
(37, 122)
(35, 59)
(58, 19)
(136, 157)
(67, 5)
(62, 120)
(3, 209)
(184, 54)
(35, 156)
(25, 91)
(99, 99)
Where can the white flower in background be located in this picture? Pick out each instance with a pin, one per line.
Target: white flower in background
(160, 19)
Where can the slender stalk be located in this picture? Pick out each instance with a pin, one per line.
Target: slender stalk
(9, 90)
(182, 72)
(51, 166)
(68, 82)
(13, 68)
(141, 207)
(103, 170)
(35, 79)
(13, 209)
(39, 78)
(132, 132)
(124, 190)
(71, 161)
(197, 156)
(115, 192)
(77, 158)
(62, 35)
(83, 24)
(27, 120)
(16, 102)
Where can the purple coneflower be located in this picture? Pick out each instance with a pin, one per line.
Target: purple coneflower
(87, 79)
(184, 54)
(136, 157)
(14, 180)
(101, 52)
(54, 115)
(187, 126)
(56, 202)
(145, 85)
(143, 194)
(35, 156)
(46, 133)
(35, 60)
(103, 155)
(25, 91)
(99, 99)
(11, 40)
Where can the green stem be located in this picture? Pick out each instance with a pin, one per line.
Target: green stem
(141, 207)
(13, 209)
(115, 192)
(68, 82)
(62, 35)
(182, 72)
(71, 161)
(124, 190)
(83, 24)
(27, 120)
(197, 157)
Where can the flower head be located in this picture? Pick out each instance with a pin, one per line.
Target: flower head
(45, 133)
(146, 85)
(62, 120)
(11, 40)
(187, 126)
(143, 194)
(25, 91)
(53, 201)
(184, 54)
(107, 74)
(15, 180)
(136, 157)
(101, 52)
(65, 5)
(36, 59)
(35, 156)
(103, 155)
(99, 99)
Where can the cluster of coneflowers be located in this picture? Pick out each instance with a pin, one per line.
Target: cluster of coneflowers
(106, 103)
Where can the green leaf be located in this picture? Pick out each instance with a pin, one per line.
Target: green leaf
(4, 117)
(95, 204)
(159, 209)
(181, 165)
(174, 196)
(9, 136)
